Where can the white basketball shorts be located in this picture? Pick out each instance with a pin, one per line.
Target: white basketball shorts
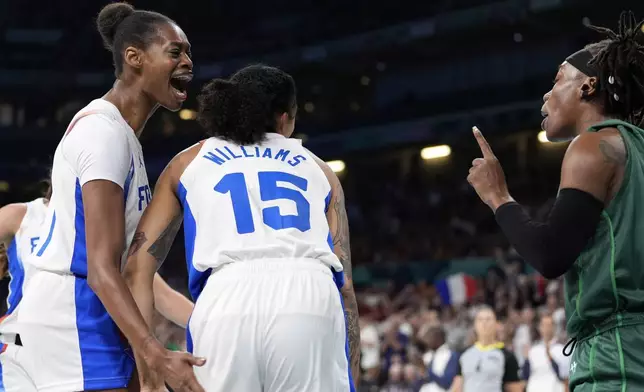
(67, 340)
(271, 326)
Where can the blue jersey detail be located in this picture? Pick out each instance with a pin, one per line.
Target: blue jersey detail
(33, 241)
(104, 359)
(17, 273)
(196, 279)
(128, 180)
(48, 239)
(79, 256)
(235, 184)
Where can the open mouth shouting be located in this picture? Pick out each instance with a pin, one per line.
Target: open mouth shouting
(179, 85)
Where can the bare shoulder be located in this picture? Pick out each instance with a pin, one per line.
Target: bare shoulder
(330, 175)
(11, 216)
(605, 146)
(14, 211)
(180, 162)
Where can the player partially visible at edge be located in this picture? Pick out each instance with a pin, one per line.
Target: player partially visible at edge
(19, 235)
(267, 244)
(594, 231)
(66, 326)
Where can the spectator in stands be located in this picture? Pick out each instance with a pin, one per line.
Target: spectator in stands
(523, 334)
(546, 368)
(370, 347)
(443, 365)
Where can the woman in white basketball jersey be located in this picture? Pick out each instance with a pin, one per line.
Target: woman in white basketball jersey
(19, 228)
(76, 306)
(267, 245)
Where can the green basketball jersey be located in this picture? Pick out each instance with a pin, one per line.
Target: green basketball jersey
(605, 286)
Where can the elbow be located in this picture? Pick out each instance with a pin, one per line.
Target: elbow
(553, 266)
(96, 279)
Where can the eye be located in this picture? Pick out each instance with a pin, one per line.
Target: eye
(175, 53)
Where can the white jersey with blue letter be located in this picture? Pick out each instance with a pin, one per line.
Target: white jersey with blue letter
(266, 201)
(23, 244)
(98, 145)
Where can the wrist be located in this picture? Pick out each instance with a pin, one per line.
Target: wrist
(500, 200)
(150, 349)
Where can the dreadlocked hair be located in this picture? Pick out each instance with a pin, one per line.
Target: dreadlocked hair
(619, 61)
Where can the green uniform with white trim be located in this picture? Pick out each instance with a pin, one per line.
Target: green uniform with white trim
(605, 286)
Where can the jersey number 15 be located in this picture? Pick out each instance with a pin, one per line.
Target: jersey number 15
(235, 184)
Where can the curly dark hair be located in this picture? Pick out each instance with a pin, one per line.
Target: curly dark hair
(619, 61)
(245, 107)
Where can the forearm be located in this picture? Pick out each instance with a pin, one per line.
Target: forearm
(141, 288)
(170, 303)
(110, 287)
(353, 329)
(551, 247)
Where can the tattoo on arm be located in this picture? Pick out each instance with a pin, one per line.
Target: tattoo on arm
(137, 242)
(353, 330)
(160, 248)
(612, 154)
(341, 235)
(343, 251)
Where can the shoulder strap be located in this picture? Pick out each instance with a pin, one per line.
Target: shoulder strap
(610, 123)
(75, 120)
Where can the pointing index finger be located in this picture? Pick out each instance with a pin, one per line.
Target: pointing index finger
(485, 147)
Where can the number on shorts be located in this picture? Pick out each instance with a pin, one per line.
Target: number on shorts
(269, 190)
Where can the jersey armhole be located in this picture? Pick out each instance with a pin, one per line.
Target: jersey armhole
(184, 160)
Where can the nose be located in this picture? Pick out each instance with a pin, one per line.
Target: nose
(546, 96)
(186, 62)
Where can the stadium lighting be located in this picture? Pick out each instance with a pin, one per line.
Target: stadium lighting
(435, 152)
(336, 166)
(542, 137)
(187, 114)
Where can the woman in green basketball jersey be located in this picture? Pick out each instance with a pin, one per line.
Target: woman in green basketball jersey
(594, 231)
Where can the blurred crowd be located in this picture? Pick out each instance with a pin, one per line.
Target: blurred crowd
(401, 331)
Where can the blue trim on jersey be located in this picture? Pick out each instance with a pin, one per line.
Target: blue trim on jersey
(189, 344)
(1, 380)
(48, 239)
(79, 256)
(128, 180)
(105, 362)
(327, 202)
(17, 274)
(196, 279)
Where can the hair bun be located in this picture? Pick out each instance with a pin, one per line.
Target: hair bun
(109, 19)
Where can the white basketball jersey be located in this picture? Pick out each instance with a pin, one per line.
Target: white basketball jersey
(24, 242)
(242, 203)
(98, 145)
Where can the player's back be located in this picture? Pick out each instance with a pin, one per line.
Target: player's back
(266, 201)
(603, 288)
(23, 244)
(76, 161)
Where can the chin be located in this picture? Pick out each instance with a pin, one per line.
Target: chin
(559, 135)
(173, 106)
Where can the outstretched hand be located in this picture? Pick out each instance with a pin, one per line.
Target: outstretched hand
(486, 175)
(175, 368)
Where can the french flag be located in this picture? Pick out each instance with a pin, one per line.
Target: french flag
(456, 289)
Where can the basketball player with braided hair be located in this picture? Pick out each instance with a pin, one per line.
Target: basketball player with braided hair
(593, 232)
